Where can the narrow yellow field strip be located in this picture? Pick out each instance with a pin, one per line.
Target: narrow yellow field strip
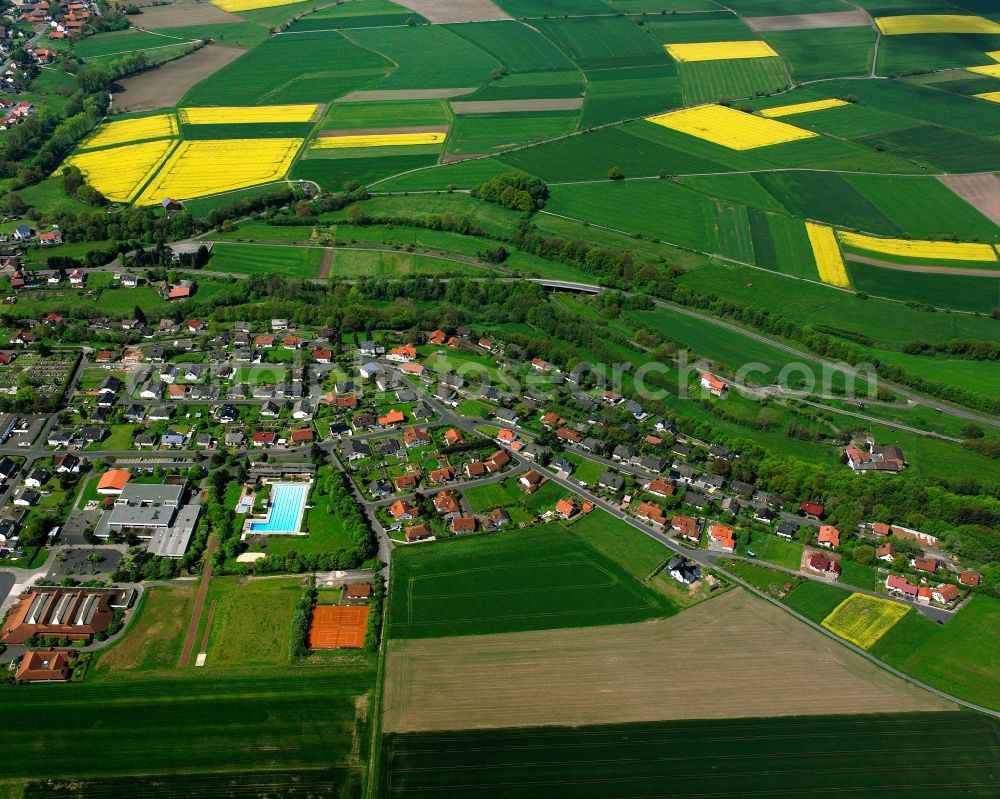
(119, 172)
(800, 108)
(236, 115)
(993, 97)
(994, 54)
(377, 140)
(935, 23)
(719, 51)
(925, 250)
(992, 70)
(199, 168)
(730, 128)
(160, 126)
(235, 6)
(826, 251)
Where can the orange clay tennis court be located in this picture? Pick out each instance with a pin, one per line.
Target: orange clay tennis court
(338, 627)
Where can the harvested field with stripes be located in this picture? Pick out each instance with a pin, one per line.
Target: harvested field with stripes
(764, 660)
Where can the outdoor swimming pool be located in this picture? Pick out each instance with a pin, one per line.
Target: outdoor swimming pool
(288, 501)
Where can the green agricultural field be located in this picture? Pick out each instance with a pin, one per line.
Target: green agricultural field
(483, 133)
(837, 203)
(656, 208)
(548, 576)
(359, 14)
(825, 52)
(252, 259)
(731, 79)
(118, 43)
(737, 187)
(962, 292)
(604, 42)
(333, 174)
(764, 758)
(345, 116)
(922, 207)
(519, 47)
(960, 657)
(426, 57)
(629, 92)
(200, 718)
(299, 68)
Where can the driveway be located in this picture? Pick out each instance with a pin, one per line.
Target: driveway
(6, 583)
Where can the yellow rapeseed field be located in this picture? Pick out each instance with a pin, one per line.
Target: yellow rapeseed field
(199, 168)
(119, 172)
(729, 127)
(801, 108)
(994, 54)
(863, 619)
(924, 250)
(829, 261)
(719, 51)
(127, 130)
(236, 6)
(935, 23)
(377, 140)
(242, 115)
(991, 70)
(993, 97)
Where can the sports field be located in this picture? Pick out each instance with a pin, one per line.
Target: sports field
(535, 579)
(338, 627)
(863, 619)
(763, 758)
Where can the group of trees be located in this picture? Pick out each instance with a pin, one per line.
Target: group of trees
(514, 190)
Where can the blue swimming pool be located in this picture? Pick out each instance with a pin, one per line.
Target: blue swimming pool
(287, 503)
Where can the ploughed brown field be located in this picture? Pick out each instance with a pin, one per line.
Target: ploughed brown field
(443, 11)
(164, 86)
(802, 22)
(980, 190)
(732, 657)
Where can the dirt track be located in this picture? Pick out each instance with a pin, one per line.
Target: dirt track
(981, 191)
(377, 95)
(730, 657)
(199, 602)
(164, 86)
(511, 106)
(926, 269)
(801, 22)
(442, 11)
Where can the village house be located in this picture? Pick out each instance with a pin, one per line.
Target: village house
(566, 508)
(713, 384)
(722, 537)
(829, 536)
